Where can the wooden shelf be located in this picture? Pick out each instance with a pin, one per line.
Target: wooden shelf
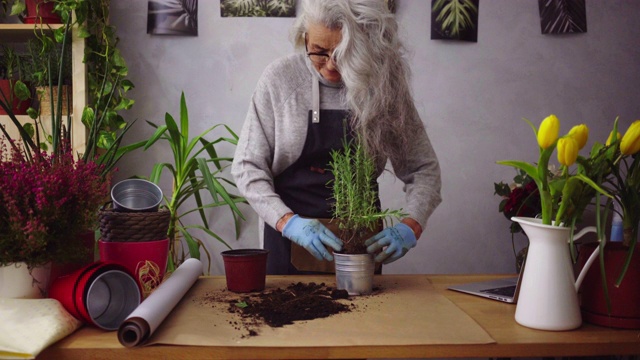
(21, 32)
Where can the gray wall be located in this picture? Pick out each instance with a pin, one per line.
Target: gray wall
(471, 96)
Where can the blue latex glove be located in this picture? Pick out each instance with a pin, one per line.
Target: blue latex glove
(313, 236)
(397, 240)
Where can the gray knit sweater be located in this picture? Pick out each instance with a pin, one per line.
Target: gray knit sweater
(274, 133)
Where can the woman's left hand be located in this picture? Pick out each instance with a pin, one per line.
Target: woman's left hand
(397, 240)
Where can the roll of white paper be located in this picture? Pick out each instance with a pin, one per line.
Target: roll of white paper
(145, 319)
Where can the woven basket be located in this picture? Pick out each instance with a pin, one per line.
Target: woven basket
(118, 226)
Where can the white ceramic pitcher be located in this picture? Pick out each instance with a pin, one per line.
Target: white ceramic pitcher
(548, 298)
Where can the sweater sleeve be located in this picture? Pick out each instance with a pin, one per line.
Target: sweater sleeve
(421, 177)
(254, 157)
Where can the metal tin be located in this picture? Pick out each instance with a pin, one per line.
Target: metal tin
(136, 195)
(354, 273)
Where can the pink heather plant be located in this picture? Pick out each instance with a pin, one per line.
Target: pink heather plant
(45, 202)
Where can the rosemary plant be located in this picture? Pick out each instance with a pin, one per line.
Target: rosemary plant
(355, 196)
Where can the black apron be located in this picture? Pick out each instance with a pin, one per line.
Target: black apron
(303, 188)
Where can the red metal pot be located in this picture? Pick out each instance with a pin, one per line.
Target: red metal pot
(625, 311)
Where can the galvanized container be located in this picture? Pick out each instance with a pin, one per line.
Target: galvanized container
(136, 195)
(354, 273)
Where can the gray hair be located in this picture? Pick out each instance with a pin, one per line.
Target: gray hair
(374, 71)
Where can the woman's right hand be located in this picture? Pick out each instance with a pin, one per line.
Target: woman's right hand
(313, 236)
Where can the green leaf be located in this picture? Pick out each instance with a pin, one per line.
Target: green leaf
(106, 139)
(241, 304)
(108, 87)
(126, 85)
(88, 117)
(59, 34)
(192, 244)
(156, 135)
(595, 186)
(21, 90)
(501, 189)
(30, 129)
(184, 116)
(18, 8)
(214, 187)
(33, 113)
(530, 169)
(117, 59)
(82, 32)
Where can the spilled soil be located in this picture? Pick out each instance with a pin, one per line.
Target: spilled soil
(282, 306)
(298, 301)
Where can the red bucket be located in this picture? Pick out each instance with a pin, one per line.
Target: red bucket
(101, 294)
(146, 260)
(245, 269)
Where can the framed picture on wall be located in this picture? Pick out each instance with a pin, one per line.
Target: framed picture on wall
(454, 20)
(563, 16)
(170, 17)
(257, 8)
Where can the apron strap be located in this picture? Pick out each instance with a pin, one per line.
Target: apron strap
(315, 93)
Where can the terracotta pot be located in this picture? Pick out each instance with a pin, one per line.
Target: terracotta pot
(245, 269)
(41, 12)
(625, 300)
(18, 107)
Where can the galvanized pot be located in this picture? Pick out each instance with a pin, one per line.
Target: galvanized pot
(354, 273)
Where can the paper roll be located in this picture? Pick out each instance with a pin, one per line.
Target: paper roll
(145, 319)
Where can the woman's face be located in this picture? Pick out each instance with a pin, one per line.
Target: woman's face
(322, 40)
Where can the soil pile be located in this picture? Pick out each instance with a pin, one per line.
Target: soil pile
(299, 301)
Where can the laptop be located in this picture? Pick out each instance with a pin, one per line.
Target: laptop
(504, 289)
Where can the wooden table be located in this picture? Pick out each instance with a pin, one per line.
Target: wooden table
(497, 319)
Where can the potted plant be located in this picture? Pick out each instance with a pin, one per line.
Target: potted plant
(611, 293)
(356, 215)
(106, 71)
(52, 75)
(14, 81)
(102, 142)
(196, 171)
(36, 11)
(47, 201)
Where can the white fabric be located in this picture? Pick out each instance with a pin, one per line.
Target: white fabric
(28, 326)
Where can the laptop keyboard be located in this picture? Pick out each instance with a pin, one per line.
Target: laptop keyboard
(506, 291)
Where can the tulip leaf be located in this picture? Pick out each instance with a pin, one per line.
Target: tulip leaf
(535, 129)
(530, 169)
(593, 185)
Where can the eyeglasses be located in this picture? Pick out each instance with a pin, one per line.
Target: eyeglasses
(318, 58)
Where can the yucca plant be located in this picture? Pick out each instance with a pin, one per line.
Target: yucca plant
(196, 170)
(355, 207)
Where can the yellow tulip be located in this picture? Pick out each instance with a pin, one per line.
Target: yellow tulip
(548, 131)
(567, 150)
(610, 138)
(630, 143)
(580, 133)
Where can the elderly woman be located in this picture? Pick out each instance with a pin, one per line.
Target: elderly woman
(350, 67)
